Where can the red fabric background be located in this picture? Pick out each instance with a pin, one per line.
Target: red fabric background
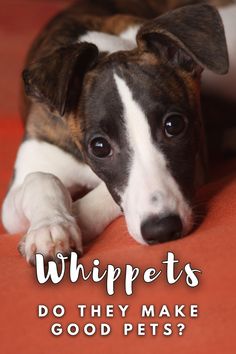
(211, 248)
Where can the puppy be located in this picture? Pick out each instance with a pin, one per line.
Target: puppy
(113, 108)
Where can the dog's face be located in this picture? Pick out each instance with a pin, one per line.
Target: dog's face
(138, 116)
(141, 130)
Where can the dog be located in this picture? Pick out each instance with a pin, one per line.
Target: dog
(112, 110)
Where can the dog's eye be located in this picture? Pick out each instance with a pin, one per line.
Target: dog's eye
(174, 124)
(100, 147)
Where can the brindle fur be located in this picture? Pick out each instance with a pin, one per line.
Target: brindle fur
(67, 130)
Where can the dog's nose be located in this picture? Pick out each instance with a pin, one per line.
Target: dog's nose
(156, 230)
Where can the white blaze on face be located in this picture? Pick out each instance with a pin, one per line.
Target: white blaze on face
(151, 189)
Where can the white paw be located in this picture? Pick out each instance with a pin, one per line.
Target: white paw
(49, 239)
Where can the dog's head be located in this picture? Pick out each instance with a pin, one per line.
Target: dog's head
(136, 114)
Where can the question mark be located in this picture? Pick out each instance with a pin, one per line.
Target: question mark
(181, 327)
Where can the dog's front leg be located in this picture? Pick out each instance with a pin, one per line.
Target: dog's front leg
(41, 207)
(95, 212)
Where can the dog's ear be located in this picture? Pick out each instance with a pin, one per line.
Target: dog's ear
(56, 80)
(188, 35)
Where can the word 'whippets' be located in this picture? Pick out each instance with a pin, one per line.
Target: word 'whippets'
(110, 275)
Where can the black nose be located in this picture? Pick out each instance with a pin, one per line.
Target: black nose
(159, 230)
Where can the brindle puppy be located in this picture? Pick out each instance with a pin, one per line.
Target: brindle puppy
(115, 109)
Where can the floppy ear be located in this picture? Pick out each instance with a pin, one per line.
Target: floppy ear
(193, 33)
(57, 79)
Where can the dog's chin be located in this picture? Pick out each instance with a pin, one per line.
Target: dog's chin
(137, 237)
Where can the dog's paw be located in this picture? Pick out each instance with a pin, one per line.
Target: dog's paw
(50, 239)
